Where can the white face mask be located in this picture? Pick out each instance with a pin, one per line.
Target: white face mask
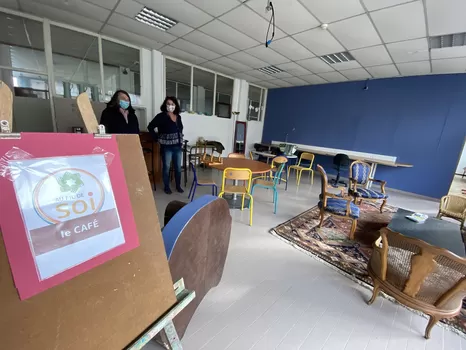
(171, 108)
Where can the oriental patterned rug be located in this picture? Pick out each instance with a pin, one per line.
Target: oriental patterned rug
(331, 245)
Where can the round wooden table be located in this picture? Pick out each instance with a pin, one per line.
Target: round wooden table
(255, 166)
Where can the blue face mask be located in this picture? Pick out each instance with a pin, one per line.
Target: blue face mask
(124, 104)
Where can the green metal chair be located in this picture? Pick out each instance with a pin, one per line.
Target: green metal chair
(272, 185)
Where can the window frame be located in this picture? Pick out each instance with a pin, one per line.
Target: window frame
(263, 97)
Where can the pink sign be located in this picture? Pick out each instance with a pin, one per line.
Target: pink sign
(59, 212)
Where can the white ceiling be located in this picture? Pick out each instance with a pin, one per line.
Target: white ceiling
(388, 38)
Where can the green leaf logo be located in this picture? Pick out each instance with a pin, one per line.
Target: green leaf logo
(70, 182)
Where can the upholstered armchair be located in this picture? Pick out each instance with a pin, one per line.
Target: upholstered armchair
(336, 204)
(418, 275)
(453, 207)
(359, 176)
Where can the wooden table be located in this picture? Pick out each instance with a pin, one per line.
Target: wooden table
(440, 233)
(255, 166)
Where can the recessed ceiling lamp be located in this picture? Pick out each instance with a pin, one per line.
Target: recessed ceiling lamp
(155, 19)
(337, 57)
(270, 70)
(448, 40)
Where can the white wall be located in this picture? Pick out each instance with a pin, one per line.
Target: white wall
(462, 162)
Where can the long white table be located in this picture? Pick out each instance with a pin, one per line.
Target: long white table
(371, 158)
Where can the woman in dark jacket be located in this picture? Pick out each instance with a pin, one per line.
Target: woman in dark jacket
(170, 137)
(119, 116)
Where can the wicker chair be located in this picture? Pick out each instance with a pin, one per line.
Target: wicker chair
(418, 275)
(453, 207)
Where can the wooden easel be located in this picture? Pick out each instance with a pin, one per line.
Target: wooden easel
(100, 296)
(87, 113)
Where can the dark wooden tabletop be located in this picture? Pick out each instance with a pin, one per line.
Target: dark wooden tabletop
(255, 166)
(439, 233)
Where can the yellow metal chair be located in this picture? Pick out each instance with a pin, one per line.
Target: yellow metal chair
(237, 174)
(299, 168)
(251, 156)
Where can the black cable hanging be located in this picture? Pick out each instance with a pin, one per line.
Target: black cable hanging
(272, 21)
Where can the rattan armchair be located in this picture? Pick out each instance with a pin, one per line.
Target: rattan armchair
(418, 275)
(453, 207)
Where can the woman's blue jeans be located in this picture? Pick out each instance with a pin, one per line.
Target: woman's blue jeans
(171, 154)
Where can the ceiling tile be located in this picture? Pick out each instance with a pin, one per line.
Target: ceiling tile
(333, 10)
(129, 8)
(448, 52)
(319, 41)
(228, 35)
(293, 68)
(215, 8)
(291, 49)
(372, 5)
(401, 22)
(108, 4)
(385, 71)
(355, 32)
(61, 16)
(129, 37)
(238, 67)
(356, 74)
(446, 16)
(260, 75)
(218, 68)
(313, 79)
(194, 49)
(280, 83)
(450, 65)
(77, 7)
(11, 4)
(248, 60)
(282, 75)
(267, 54)
(296, 81)
(268, 84)
(333, 77)
(293, 16)
(414, 68)
(246, 77)
(182, 55)
(134, 26)
(180, 11)
(372, 56)
(346, 65)
(250, 23)
(180, 29)
(409, 51)
(315, 65)
(201, 39)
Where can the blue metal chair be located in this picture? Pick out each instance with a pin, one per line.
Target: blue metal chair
(359, 174)
(272, 185)
(337, 205)
(197, 182)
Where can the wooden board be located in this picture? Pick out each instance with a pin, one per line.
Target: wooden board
(87, 113)
(6, 104)
(108, 306)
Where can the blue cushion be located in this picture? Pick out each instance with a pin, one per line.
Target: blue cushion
(367, 193)
(338, 207)
(360, 172)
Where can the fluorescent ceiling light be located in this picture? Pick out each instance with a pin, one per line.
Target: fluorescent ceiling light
(270, 70)
(448, 40)
(337, 57)
(155, 19)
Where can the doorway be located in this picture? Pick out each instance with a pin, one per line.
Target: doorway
(459, 179)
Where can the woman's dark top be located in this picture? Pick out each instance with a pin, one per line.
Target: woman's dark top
(115, 122)
(170, 133)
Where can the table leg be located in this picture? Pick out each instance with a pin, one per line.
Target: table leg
(372, 174)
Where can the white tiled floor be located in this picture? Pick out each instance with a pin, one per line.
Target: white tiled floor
(275, 297)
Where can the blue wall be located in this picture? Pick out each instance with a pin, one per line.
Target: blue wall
(420, 120)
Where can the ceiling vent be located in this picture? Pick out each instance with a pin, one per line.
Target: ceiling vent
(337, 57)
(155, 19)
(270, 70)
(449, 40)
